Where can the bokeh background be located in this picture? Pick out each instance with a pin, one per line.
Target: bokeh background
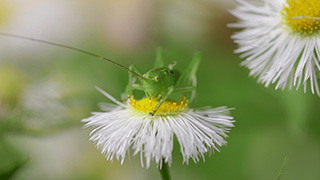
(45, 91)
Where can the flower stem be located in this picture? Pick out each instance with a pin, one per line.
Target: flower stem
(164, 171)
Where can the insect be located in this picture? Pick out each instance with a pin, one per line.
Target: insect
(306, 17)
(160, 82)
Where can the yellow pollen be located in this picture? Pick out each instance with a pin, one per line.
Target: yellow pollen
(147, 105)
(302, 16)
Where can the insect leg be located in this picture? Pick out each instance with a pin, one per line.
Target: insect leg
(131, 86)
(187, 78)
(193, 93)
(185, 89)
(169, 91)
(191, 89)
(159, 59)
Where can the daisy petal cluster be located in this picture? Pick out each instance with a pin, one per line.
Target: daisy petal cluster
(129, 125)
(280, 41)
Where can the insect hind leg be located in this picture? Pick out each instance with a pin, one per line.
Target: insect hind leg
(159, 59)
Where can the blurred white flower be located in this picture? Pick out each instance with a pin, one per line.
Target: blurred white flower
(130, 125)
(280, 41)
(42, 101)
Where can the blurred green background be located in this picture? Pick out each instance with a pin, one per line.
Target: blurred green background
(45, 91)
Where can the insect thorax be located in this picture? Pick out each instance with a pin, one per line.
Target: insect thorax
(160, 80)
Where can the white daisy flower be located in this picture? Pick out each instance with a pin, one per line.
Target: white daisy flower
(130, 125)
(280, 41)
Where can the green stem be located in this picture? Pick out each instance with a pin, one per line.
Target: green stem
(164, 171)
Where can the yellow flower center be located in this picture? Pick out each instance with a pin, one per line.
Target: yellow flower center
(147, 105)
(302, 16)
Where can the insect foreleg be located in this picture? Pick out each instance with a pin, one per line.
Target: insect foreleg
(131, 86)
(169, 91)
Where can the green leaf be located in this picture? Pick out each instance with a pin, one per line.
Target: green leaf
(7, 172)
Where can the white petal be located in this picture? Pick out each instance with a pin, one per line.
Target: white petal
(197, 132)
(273, 53)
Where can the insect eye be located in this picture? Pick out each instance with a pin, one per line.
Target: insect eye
(171, 72)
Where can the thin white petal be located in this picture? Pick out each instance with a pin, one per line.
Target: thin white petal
(272, 52)
(110, 97)
(197, 131)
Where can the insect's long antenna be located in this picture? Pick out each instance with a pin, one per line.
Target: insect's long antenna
(306, 17)
(75, 49)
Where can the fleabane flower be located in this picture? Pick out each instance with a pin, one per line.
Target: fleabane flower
(131, 126)
(280, 41)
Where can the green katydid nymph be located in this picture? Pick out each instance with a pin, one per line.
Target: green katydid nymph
(160, 82)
